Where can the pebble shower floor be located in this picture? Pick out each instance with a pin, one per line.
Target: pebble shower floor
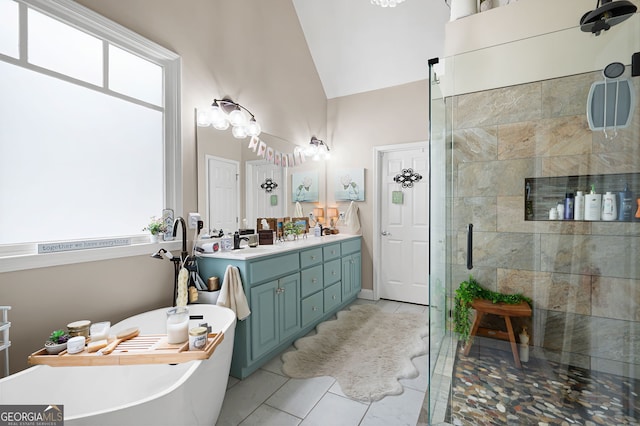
(489, 390)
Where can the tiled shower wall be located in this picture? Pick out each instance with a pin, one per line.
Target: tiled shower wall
(584, 277)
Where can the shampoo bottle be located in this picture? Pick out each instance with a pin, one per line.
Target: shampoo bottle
(609, 210)
(625, 204)
(593, 205)
(568, 206)
(578, 206)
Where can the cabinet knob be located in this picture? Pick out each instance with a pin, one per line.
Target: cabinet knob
(313, 258)
(315, 308)
(334, 297)
(314, 280)
(334, 273)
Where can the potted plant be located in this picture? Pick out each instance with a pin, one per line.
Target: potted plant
(466, 293)
(155, 227)
(57, 342)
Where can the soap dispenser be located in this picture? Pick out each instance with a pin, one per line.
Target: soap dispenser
(593, 205)
(317, 230)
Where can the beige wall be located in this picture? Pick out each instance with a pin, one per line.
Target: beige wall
(253, 51)
(358, 123)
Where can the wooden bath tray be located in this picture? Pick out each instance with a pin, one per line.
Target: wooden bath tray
(143, 349)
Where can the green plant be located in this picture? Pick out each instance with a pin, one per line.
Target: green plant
(156, 226)
(59, 336)
(466, 293)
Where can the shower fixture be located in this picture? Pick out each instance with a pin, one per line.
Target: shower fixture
(606, 14)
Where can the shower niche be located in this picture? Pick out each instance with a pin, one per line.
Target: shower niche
(541, 194)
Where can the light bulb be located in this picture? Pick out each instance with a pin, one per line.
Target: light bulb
(327, 155)
(253, 128)
(239, 132)
(311, 150)
(204, 117)
(221, 124)
(236, 118)
(217, 114)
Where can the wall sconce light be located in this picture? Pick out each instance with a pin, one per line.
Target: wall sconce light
(318, 214)
(225, 112)
(317, 148)
(332, 214)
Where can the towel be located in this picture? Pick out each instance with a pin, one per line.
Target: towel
(298, 211)
(351, 219)
(232, 294)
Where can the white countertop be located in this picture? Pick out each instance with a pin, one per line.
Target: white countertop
(246, 252)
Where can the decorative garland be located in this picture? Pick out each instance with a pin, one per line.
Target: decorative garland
(467, 293)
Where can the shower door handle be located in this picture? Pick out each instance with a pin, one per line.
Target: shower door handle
(470, 246)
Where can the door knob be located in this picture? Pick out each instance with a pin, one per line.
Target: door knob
(385, 233)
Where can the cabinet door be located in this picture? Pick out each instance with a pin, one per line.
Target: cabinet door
(264, 318)
(351, 275)
(289, 305)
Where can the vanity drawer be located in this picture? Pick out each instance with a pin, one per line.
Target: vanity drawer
(332, 296)
(351, 246)
(312, 308)
(331, 251)
(332, 272)
(263, 270)
(311, 280)
(310, 257)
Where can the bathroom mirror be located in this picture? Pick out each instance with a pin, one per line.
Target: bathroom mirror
(263, 188)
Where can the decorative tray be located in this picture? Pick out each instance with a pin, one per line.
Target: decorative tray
(142, 349)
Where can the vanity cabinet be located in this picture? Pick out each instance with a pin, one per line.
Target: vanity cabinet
(290, 289)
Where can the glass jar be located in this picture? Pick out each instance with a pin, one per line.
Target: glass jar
(177, 325)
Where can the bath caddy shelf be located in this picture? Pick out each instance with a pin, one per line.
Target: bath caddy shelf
(143, 349)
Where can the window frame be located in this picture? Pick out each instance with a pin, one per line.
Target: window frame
(14, 257)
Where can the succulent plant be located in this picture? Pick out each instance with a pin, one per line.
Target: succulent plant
(59, 336)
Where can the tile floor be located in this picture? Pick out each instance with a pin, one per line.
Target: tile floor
(269, 398)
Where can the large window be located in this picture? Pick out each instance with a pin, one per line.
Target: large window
(88, 130)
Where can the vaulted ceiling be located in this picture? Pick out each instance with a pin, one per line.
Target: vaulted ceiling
(358, 46)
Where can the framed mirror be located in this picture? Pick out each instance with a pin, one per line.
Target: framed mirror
(236, 186)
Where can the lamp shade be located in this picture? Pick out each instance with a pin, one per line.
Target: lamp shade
(318, 212)
(332, 212)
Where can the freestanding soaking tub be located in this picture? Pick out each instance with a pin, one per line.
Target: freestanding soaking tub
(189, 393)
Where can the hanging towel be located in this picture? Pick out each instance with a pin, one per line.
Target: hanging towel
(351, 219)
(232, 294)
(298, 211)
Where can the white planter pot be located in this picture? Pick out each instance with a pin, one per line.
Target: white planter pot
(462, 8)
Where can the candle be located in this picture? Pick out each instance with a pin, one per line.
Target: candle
(177, 325)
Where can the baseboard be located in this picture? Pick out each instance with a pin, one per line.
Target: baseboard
(366, 293)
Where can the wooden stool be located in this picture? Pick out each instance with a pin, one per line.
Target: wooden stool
(504, 310)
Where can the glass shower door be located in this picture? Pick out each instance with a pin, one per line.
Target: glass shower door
(503, 158)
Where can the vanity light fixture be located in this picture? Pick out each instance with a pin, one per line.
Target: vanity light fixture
(317, 148)
(224, 113)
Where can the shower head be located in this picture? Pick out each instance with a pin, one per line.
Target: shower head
(160, 254)
(605, 16)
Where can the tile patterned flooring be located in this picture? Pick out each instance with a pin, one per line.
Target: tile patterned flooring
(269, 398)
(489, 390)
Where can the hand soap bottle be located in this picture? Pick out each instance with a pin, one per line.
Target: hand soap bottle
(593, 205)
(609, 211)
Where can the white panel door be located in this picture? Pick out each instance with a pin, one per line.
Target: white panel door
(222, 194)
(404, 228)
(259, 201)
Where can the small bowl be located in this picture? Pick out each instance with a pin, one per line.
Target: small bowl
(54, 348)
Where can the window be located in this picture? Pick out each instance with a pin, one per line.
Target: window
(89, 133)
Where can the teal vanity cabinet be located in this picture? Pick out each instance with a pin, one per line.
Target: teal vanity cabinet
(290, 289)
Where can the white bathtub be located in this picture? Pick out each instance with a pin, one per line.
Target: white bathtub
(190, 393)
